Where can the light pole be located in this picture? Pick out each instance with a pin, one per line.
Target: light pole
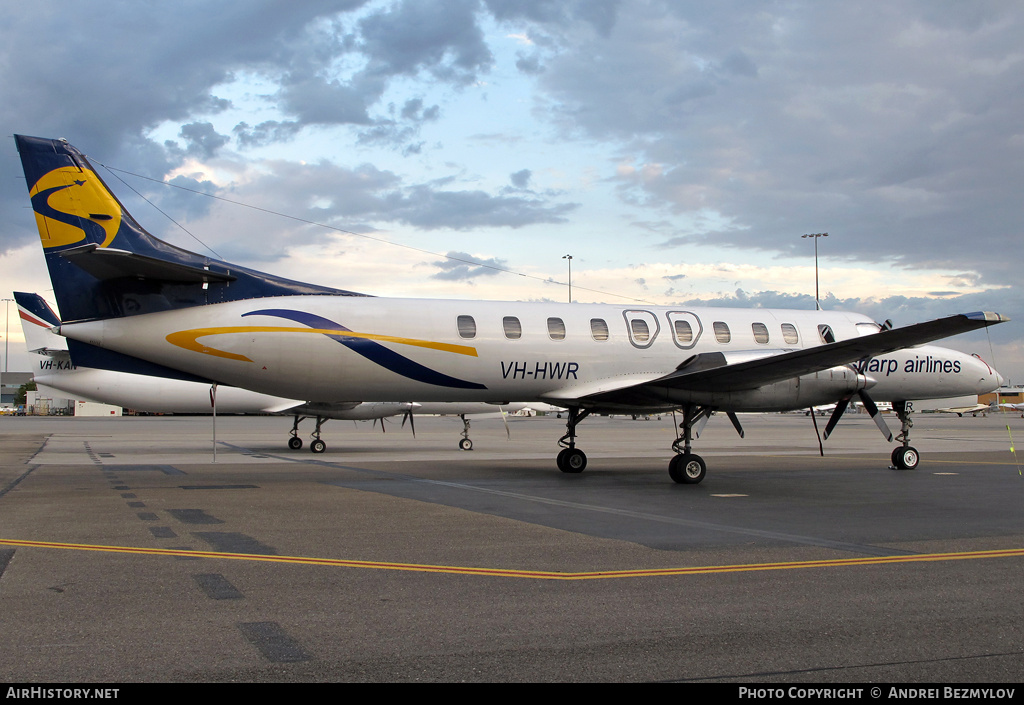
(817, 306)
(569, 257)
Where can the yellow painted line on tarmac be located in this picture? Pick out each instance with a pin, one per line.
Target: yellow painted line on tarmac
(535, 574)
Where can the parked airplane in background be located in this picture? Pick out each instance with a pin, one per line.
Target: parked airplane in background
(57, 372)
(132, 302)
(961, 410)
(1015, 407)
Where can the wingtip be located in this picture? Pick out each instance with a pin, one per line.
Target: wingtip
(987, 316)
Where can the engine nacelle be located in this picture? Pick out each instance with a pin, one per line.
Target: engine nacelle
(823, 387)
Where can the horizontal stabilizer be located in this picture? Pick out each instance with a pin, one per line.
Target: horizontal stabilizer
(108, 263)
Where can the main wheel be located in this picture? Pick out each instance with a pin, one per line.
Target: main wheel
(466, 444)
(687, 469)
(294, 442)
(905, 458)
(571, 460)
(318, 446)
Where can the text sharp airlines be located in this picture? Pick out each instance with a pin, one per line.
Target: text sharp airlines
(134, 303)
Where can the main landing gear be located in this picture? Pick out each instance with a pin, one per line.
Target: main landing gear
(571, 459)
(905, 456)
(465, 443)
(688, 468)
(295, 443)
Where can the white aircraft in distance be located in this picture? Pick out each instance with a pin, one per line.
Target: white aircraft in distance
(1015, 407)
(132, 302)
(57, 374)
(961, 410)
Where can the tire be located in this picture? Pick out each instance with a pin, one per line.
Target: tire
(906, 458)
(294, 442)
(318, 446)
(572, 460)
(687, 469)
(466, 444)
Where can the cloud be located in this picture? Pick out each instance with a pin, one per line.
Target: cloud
(898, 132)
(462, 266)
(521, 178)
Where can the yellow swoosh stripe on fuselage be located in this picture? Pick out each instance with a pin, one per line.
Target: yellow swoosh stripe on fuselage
(188, 339)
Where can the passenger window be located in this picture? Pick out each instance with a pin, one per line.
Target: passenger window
(760, 333)
(513, 328)
(467, 327)
(556, 329)
(827, 336)
(684, 332)
(686, 328)
(789, 334)
(722, 334)
(641, 331)
(599, 329)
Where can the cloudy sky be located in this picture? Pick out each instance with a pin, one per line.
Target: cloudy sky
(461, 148)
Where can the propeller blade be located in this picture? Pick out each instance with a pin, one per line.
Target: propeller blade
(875, 416)
(837, 414)
(735, 422)
(412, 424)
(821, 446)
(504, 417)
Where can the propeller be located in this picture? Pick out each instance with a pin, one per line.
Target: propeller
(868, 404)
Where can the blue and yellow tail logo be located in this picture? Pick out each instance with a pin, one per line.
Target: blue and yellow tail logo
(72, 205)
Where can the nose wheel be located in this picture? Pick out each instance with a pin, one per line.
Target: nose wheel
(905, 458)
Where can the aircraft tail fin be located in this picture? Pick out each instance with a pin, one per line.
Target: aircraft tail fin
(104, 264)
(37, 323)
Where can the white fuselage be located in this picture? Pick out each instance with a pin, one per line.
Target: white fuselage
(308, 347)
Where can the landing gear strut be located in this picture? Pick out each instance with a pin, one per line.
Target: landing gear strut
(571, 459)
(318, 446)
(465, 443)
(904, 457)
(295, 442)
(687, 468)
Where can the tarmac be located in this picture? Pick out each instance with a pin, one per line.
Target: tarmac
(129, 553)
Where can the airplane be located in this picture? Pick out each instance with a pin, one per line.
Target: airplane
(1015, 407)
(132, 302)
(961, 410)
(57, 374)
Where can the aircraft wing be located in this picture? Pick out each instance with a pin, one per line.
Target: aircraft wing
(713, 372)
